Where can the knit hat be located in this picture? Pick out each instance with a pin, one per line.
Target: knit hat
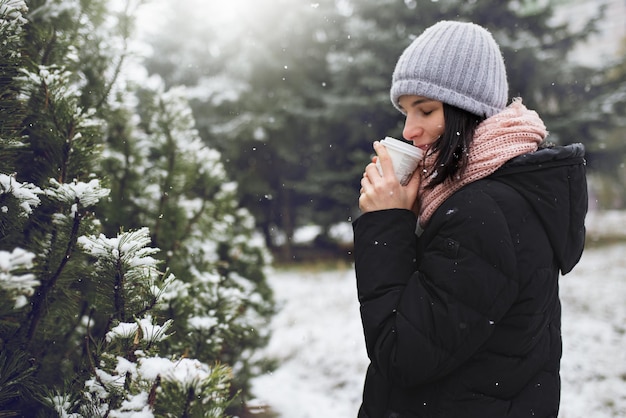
(457, 63)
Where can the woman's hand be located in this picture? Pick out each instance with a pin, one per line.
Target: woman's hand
(385, 192)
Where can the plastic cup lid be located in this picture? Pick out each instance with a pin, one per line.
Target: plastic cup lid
(402, 146)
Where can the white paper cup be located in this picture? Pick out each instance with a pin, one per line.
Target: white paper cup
(405, 158)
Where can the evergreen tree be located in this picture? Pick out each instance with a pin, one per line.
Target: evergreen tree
(145, 295)
(258, 97)
(604, 123)
(167, 179)
(295, 97)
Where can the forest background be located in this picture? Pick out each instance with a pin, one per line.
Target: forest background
(293, 93)
(157, 157)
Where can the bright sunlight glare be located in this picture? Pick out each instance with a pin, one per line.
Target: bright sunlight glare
(222, 22)
(232, 12)
(229, 10)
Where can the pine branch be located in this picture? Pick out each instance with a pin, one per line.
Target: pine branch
(153, 391)
(147, 308)
(72, 329)
(67, 147)
(92, 368)
(118, 67)
(47, 51)
(188, 401)
(118, 295)
(47, 286)
(171, 161)
(187, 231)
(116, 73)
(16, 376)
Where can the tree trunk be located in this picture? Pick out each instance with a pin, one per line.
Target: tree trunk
(287, 223)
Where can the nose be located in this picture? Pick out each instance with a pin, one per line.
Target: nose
(413, 129)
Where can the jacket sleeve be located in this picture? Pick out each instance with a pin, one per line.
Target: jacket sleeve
(424, 318)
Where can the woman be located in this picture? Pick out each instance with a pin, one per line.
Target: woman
(457, 271)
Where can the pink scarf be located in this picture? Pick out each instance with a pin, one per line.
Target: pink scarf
(512, 132)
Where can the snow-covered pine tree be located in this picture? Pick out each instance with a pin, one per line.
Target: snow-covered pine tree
(101, 325)
(163, 176)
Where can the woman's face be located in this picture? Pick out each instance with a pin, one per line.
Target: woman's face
(424, 122)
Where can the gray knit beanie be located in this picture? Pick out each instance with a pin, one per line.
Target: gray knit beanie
(457, 63)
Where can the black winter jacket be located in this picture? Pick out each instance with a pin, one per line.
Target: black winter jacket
(464, 320)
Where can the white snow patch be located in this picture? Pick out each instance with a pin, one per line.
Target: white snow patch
(317, 337)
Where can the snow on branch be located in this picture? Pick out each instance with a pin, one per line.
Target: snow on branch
(131, 258)
(130, 248)
(151, 333)
(85, 194)
(12, 11)
(13, 277)
(56, 79)
(186, 372)
(25, 193)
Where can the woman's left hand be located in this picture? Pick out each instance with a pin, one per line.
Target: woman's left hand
(385, 192)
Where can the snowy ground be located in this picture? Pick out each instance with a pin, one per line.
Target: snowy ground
(318, 338)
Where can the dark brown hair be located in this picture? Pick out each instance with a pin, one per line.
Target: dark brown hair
(453, 145)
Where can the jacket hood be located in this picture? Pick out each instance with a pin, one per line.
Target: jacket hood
(554, 182)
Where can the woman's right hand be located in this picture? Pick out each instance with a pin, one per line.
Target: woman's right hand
(385, 192)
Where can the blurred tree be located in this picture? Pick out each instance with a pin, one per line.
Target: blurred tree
(163, 177)
(604, 123)
(260, 101)
(147, 295)
(297, 94)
